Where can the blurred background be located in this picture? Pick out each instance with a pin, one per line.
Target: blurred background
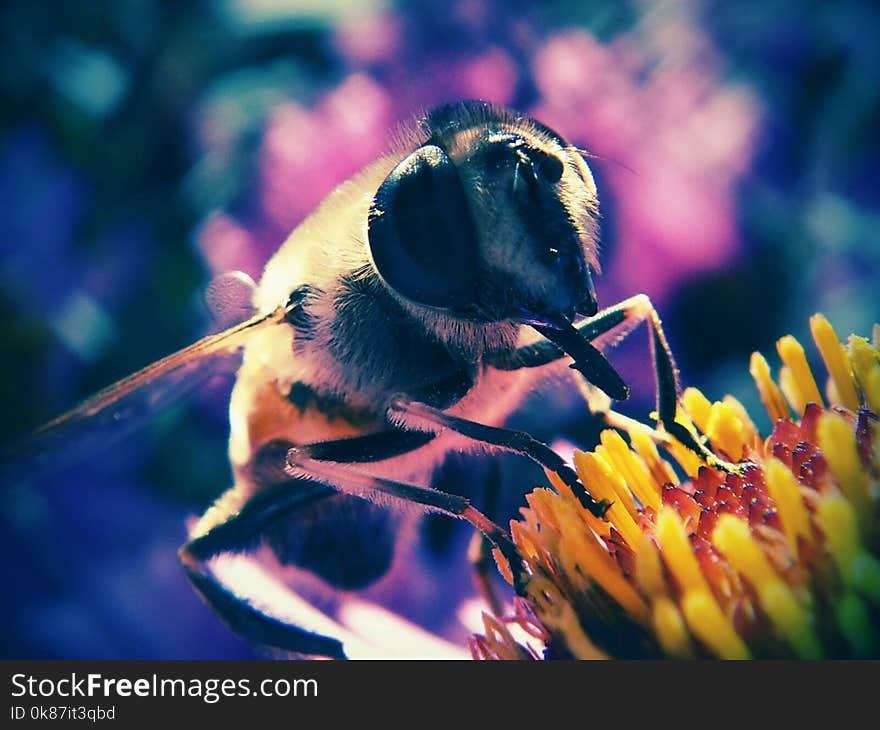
(148, 146)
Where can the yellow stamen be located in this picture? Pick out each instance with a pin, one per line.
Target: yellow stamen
(615, 479)
(838, 443)
(709, 624)
(784, 490)
(542, 522)
(733, 538)
(503, 565)
(802, 381)
(741, 413)
(596, 524)
(697, 406)
(523, 537)
(790, 390)
(633, 468)
(838, 523)
(771, 396)
(661, 471)
(558, 616)
(595, 472)
(872, 388)
(676, 550)
(649, 571)
(688, 460)
(857, 567)
(534, 541)
(772, 576)
(866, 367)
(836, 361)
(589, 558)
(500, 640)
(670, 628)
(727, 432)
(702, 612)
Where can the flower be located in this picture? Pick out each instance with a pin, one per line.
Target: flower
(776, 556)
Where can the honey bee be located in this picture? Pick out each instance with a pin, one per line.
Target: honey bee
(407, 317)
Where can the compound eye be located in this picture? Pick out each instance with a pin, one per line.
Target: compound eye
(549, 166)
(421, 233)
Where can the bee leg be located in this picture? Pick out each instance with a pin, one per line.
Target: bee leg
(480, 549)
(606, 329)
(639, 309)
(387, 444)
(370, 447)
(421, 417)
(380, 490)
(240, 532)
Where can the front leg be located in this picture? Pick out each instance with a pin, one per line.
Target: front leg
(417, 416)
(607, 328)
(343, 478)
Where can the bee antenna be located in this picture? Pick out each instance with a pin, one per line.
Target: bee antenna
(593, 156)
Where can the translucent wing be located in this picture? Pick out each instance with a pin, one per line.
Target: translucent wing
(118, 408)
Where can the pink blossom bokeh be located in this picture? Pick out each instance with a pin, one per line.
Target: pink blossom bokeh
(670, 136)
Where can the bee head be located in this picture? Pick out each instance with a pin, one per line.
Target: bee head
(491, 218)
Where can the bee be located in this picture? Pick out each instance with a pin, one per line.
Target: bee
(406, 318)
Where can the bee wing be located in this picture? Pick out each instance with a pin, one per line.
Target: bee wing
(115, 410)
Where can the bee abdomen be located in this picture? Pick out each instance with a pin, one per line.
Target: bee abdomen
(303, 397)
(346, 541)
